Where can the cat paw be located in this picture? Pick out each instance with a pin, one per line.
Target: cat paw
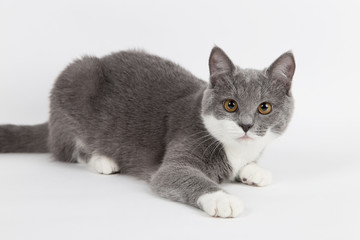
(220, 204)
(252, 174)
(103, 165)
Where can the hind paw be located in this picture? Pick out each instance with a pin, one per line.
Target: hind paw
(103, 165)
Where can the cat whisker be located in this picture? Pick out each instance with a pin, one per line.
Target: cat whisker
(204, 152)
(219, 144)
(197, 133)
(207, 138)
(202, 132)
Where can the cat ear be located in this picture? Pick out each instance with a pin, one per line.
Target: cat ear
(283, 69)
(219, 64)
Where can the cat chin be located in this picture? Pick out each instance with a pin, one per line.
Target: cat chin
(251, 138)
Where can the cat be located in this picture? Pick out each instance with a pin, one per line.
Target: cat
(135, 113)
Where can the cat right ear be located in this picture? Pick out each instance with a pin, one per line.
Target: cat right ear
(219, 64)
(283, 69)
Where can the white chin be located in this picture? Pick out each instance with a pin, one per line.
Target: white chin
(254, 136)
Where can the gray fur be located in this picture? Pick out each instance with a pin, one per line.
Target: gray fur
(145, 113)
(24, 139)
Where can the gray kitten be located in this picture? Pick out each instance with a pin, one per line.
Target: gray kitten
(135, 113)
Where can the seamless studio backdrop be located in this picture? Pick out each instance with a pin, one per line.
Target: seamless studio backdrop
(315, 193)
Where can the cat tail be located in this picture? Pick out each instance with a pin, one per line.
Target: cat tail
(24, 139)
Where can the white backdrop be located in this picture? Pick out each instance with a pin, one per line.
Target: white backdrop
(316, 166)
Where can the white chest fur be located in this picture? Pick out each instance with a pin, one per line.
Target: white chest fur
(241, 154)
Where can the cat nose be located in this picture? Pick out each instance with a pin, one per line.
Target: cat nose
(246, 127)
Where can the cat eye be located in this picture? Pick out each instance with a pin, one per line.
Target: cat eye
(230, 105)
(265, 108)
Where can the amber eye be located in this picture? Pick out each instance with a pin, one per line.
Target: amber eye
(264, 108)
(230, 105)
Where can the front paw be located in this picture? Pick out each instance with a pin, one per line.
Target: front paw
(220, 204)
(252, 174)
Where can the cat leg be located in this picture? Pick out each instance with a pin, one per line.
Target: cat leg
(252, 174)
(191, 186)
(61, 145)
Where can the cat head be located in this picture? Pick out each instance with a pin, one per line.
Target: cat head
(247, 105)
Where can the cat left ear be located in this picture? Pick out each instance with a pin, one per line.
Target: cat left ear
(283, 69)
(219, 64)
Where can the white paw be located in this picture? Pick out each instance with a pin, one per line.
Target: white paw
(220, 204)
(103, 165)
(255, 175)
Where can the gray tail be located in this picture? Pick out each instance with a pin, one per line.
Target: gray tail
(24, 139)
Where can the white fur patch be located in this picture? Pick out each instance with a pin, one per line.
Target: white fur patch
(79, 145)
(238, 151)
(103, 165)
(253, 174)
(220, 204)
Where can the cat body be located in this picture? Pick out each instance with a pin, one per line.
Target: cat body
(139, 114)
(126, 106)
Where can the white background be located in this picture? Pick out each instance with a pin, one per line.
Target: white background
(316, 164)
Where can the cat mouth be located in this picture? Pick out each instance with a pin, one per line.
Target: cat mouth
(244, 138)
